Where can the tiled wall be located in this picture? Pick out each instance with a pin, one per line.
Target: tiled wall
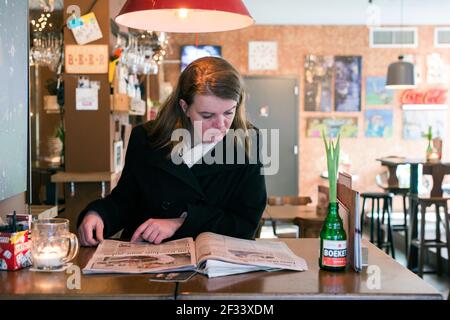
(294, 42)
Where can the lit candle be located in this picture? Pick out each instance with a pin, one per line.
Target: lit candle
(49, 257)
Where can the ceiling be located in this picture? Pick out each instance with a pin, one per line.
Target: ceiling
(332, 12)
(349, 12)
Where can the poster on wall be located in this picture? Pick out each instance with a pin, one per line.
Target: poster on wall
(378, 123)
(376, 92)
(318, 77)
(347, 127)
(438, 72)
(416, 123)
(347, 83)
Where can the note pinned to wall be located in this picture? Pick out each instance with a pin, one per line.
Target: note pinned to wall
(86, 99)
(88, 30)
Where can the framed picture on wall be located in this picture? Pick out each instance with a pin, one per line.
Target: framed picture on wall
(118, 156)
(378, 123)
(417, 120)
(347, 127)
(376, 92)
(347, 83)
(318, 82)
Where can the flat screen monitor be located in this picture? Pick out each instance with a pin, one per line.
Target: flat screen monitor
(190, 53)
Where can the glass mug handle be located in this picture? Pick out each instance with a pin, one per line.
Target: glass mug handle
(74, 247)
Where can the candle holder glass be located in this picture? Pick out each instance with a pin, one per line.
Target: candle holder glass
(52, 244)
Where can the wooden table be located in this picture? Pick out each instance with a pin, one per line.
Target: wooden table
(26, 284)
(306, 217)
(396, 282)
(391, 163)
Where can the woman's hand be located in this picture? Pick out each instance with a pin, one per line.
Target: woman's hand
(91, 222)
(156, 230)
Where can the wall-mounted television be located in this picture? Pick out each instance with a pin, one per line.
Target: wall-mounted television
(190, 53)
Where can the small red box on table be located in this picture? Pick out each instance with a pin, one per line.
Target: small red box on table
(15, 250)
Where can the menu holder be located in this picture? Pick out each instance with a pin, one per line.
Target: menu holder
(349, 211)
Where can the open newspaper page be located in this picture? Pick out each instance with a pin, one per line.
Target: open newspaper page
(114, 256)
(219, 255)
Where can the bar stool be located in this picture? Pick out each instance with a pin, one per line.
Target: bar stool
(397, 191)
(387, 204)
(424, 243)
(402, 227)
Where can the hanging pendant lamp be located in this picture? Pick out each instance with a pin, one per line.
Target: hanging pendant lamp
(400, 75)
(185, 16)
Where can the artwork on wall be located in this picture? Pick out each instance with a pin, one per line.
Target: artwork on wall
(318, 77)
(378, 123)
(347, 83)
(376, 93)
(437, 70)
(262, 55)
(416, 123)
(347, 127)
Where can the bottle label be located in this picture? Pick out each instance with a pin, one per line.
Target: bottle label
(334, 253)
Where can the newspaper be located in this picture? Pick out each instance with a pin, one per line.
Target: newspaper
(114, 256)
(211, 254)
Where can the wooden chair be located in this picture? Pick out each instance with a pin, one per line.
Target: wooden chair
(287, 200)
(259, 228)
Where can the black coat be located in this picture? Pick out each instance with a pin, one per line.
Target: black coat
(228, 199)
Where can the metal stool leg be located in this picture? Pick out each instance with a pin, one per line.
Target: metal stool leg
(405, 222)
(362, 214)
(438, 238)
(372, 221)
(390, 236)
(422, 240)
(379, 236)
(447, 234)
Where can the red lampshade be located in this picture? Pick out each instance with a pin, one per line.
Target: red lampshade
(192, 16)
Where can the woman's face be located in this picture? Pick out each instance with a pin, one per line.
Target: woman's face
(213, 114)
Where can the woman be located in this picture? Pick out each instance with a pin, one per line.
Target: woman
(159, 198)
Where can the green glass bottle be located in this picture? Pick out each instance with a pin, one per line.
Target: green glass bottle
(333, 241)
(429, 151)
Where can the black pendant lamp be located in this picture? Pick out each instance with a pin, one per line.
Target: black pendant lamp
(400, 75)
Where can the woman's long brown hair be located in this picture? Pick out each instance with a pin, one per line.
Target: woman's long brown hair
(205, 76)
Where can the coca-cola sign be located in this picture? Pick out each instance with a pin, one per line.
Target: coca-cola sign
(430, 96)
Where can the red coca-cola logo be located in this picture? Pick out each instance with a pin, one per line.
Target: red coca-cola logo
(431, 96)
